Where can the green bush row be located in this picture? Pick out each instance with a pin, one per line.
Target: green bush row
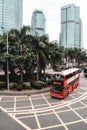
(2, 84)
(14, 85)
(20, 86)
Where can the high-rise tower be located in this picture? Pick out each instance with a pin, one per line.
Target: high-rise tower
(11, 14)
(38, 23)
(71, 26)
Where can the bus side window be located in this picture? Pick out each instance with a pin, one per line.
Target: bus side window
(68, 76)
(74, 74)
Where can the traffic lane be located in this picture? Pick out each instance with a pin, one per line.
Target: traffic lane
(42, 112)
(51, 113)
(7, 123)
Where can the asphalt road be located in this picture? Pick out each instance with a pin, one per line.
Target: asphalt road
(41, 112)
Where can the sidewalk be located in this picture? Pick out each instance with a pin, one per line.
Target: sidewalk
(19, 93)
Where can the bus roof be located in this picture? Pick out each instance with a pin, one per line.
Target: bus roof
(64, 72)
(68, 71)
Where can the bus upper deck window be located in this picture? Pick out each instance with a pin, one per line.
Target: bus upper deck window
(59, 77)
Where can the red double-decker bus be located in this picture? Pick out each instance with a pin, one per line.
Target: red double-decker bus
(64, 82)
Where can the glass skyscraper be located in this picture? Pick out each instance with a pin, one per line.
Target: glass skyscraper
(11, 12)
(38, 23)
(71, 26)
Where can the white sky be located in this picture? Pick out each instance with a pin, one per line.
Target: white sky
(52, 11)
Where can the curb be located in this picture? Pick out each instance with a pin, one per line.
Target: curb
(19, 93)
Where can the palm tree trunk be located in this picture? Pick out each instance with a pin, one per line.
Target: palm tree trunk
(21, 70)
(38, 66)
(21, 75)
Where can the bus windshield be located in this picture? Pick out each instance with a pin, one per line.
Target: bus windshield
(57, 85)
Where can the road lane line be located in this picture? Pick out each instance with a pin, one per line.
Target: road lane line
(55, 113)
(35, 113)
(18, 121)
(14, 105)
(77, 114)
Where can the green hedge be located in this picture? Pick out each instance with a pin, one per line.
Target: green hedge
(41, 82)
(27, 85)
(12, 85)
(2, 84)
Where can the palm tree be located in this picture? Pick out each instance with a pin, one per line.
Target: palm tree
(56, 55)
(41, 56)
(21, 40)
(3, 53)
(76, 55)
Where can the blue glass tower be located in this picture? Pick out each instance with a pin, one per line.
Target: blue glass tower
(71, 26)
(11, 14)
(38, 23)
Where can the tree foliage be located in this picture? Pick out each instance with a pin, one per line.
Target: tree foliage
(27, 53)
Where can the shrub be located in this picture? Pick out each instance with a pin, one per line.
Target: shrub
(2, 84)
(26, 85)
(19, 86)
(12, 85)
(36, 84)
(41, 82)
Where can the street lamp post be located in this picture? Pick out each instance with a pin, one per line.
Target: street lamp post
(7, 60)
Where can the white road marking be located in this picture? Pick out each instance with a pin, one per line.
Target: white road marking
(18, 121)
(35, 114)
(56, 114)
(53, 107)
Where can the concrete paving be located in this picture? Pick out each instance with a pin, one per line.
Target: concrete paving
(7, 123)
(41, 112)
